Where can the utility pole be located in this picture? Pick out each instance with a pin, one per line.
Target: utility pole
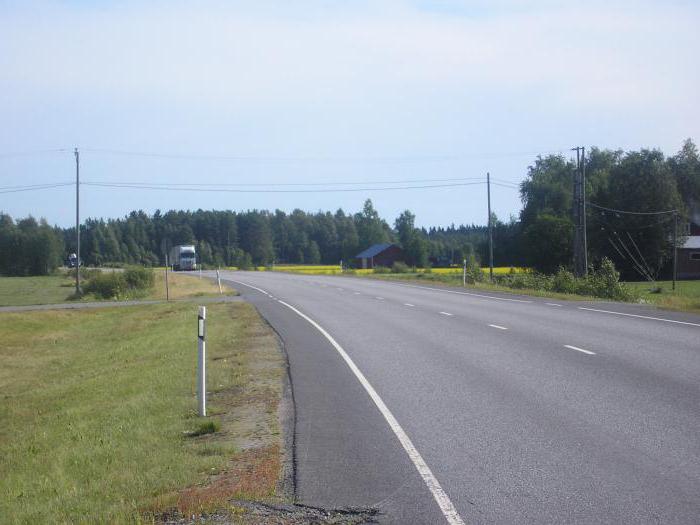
(488, 197)
(579, 212)
(584, 241)
(77, 222)
(675, 248)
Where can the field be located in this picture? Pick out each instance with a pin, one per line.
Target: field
(59, 288)
(686, 297)
(97, 420)
(311, 269)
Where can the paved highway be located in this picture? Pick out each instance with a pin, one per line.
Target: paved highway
(449, 406)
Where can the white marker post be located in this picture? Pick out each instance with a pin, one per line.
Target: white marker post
(201, 361)
(218, 280)
(464, 274)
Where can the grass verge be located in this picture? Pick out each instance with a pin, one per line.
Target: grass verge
(97, 420)
(685, 298)
(59, 288)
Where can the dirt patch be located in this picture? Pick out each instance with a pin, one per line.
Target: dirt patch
(255, 513)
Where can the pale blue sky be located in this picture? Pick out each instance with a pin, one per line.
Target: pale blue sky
(484, 86)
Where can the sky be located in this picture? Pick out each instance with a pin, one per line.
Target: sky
(365, 92)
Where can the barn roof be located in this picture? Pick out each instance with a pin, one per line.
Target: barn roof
(693, 242)
(373, 250)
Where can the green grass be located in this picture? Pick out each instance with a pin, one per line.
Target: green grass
(21, 291)
(686, 297)
(60, 288)
(97, 418)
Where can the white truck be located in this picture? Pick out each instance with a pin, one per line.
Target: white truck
(183, 257)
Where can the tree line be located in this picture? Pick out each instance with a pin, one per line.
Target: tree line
(540, 237)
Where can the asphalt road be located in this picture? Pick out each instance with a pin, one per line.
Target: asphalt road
(522, 410)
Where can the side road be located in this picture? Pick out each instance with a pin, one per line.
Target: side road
(107, 304)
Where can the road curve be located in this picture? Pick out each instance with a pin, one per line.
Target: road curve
(523, 410)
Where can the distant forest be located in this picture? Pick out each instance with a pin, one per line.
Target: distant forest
(540, 237)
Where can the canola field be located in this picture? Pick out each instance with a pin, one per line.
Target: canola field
(311, 269)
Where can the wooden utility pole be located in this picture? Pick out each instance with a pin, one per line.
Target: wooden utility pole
(579, 212)
(77, 222)
(488, 198)
(675, 248)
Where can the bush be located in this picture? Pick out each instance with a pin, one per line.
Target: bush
(381, 269)
(400, 267)
(605, 282)
(132, 282)
(110, 285)
(564, 281)
(139, 278)
(602, 282)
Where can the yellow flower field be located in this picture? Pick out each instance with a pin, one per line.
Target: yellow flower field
(311, 269)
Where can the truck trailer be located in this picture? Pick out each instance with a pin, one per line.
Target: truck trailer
(183, 257)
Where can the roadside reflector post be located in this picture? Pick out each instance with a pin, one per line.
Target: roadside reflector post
(218, 280)
(464, 273)
(201, 361)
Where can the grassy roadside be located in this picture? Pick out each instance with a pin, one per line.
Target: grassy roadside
(59, 288)
(686, 298)
(97, 419)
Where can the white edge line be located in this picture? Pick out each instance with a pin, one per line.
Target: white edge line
(552, 304)
(579, 349)
(446, 313)
(379, 298)
(639, 316)
(408, 304)
(441, 497)
(498, 326)
(463, 293)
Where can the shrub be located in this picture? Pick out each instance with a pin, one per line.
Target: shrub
(381, 269)
(110, 285)
(605, 282)
(139, 278)
(133, 281)
(564, 281)
(400, 267)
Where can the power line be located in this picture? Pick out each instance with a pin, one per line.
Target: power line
(30, 153)
(311, 158)
(510, 187)
(36, 187)
(613, 210)
(272, 184)
(321, 190)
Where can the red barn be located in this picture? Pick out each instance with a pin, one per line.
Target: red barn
(379, 255)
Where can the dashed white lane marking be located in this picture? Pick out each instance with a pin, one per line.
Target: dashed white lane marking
(379, 298)
(463, 293)
(357, 293)
(446, 313)
(408, 304)
(498, 327)
(441, 497)
(639, 316)
(552, 304)
(579, 349)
